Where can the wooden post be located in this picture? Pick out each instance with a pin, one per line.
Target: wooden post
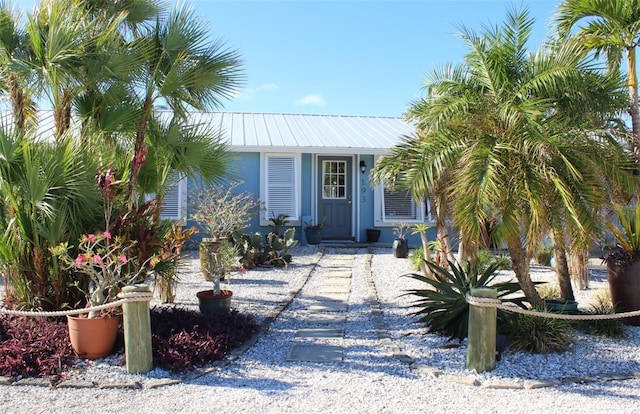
(481, 352)
(137, 332)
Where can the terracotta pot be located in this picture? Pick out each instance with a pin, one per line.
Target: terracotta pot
(213, 304)
(93, 338)
(624, 285)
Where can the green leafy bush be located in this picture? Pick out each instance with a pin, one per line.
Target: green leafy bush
(442, 304)
(539, 335)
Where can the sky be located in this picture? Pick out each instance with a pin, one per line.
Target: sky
(346, 57)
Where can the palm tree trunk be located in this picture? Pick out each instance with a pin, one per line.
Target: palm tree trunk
(138, 148)
(521, 269)
(444, 254)
(562, 267)
(633, 105)
(17, 101)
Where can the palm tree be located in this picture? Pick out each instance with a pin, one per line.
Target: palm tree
(47, 196)
(182, 69)
(611, 29)
(514, 132)
(12, 39)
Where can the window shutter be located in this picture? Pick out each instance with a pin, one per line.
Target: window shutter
(172, 203)
(281, 186)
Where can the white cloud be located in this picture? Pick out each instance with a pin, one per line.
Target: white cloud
(314, 99)
(249, 93)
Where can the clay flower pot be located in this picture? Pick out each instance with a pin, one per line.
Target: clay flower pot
(93, 338)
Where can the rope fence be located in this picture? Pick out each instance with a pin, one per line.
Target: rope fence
(125, 297)
(497, 303)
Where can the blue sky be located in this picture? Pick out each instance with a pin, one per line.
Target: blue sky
(346, 57)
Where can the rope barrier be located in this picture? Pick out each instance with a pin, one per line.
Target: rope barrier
(124, 298)
(497, 303)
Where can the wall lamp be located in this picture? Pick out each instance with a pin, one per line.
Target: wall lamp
(363, 167)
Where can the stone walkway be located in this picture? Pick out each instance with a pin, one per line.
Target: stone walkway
(326, 317)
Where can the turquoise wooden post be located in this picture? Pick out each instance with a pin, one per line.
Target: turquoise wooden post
(137, 331)
(481, 352)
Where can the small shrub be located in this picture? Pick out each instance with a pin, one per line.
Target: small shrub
(539, 335)
(487, 258)
(34, 347)
(543, 255)
(548, 291)
(416, 258)
(184, 339)
(611, 328)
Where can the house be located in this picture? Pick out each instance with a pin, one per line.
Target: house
(313, 166)
(308, 167)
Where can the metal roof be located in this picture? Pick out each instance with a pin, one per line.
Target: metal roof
(294, 132)
(309, 133)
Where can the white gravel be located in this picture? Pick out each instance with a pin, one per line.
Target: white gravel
(370, 379)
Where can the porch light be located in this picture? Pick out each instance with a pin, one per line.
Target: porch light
(363, 166)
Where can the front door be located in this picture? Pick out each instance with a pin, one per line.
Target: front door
(334, 197)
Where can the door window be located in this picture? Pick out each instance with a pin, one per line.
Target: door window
(334, 180)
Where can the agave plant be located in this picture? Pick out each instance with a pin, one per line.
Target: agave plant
(442, 304)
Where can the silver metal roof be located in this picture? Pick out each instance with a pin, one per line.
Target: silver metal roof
(294, 132)
(308, 133)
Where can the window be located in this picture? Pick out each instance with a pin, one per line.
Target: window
(280, 186)
(397, 205)
(334, 180)
(174, 203)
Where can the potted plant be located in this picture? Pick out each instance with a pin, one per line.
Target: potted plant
(623, 262)
(400, 247)
(221, 263)
(220, 211)
(313, 232)
(104, 260)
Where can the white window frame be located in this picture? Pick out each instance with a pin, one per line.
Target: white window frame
(294, 182)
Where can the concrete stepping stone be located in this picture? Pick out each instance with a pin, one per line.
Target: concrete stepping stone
(320, 333)
(337, 296)
(340, 273)
(316, 353)
(336, 281)
(326, 319)
(329, 306)
(324, 290)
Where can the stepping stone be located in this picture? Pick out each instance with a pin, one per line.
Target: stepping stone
(316, 353)
(328, 306)
(341, 265)
(338, 274)
(336, 281)
(320, 333)
(339, 296)
(325, 319)
(333, 289)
